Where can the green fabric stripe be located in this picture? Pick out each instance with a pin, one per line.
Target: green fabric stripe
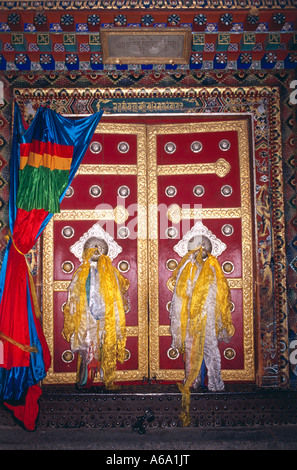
(41, 188)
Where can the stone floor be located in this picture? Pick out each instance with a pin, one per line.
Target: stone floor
(240, 418)
(153, 440)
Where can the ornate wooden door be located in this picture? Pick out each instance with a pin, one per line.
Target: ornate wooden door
(200, 182)
(149, 187)
(107, 191)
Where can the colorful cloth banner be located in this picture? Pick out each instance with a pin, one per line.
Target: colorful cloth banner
(44, 160)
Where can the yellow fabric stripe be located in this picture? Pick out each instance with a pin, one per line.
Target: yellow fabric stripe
(53, 162)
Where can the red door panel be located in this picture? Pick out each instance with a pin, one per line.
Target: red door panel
(180, 169)
(110, 178)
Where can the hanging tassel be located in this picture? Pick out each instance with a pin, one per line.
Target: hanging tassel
(31, 281)
(186, 399)
(23, 347)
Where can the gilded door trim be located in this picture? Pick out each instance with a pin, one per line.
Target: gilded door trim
(271, 322)
(155, 331)
(50, 286)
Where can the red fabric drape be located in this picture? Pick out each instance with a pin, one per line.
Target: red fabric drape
(28, 412)
(26, 228)
(27, 225)
(34, 190)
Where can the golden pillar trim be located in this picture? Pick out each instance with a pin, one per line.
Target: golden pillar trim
(234, 283)
(175, 213)
(119, 214)
(61, 286)
(107, 170)
(220, 168)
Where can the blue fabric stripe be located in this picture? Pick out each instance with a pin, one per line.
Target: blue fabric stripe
(47, 125)
(18, 131)
(14, 383)
(203, 373)
(81, 132)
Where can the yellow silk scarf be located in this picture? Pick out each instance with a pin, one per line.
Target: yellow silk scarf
(113, 347)
(112, 288)
(192, 316)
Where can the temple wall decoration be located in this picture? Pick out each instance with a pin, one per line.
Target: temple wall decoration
(239, 71)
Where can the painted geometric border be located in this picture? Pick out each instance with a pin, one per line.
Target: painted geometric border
(148, 4)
